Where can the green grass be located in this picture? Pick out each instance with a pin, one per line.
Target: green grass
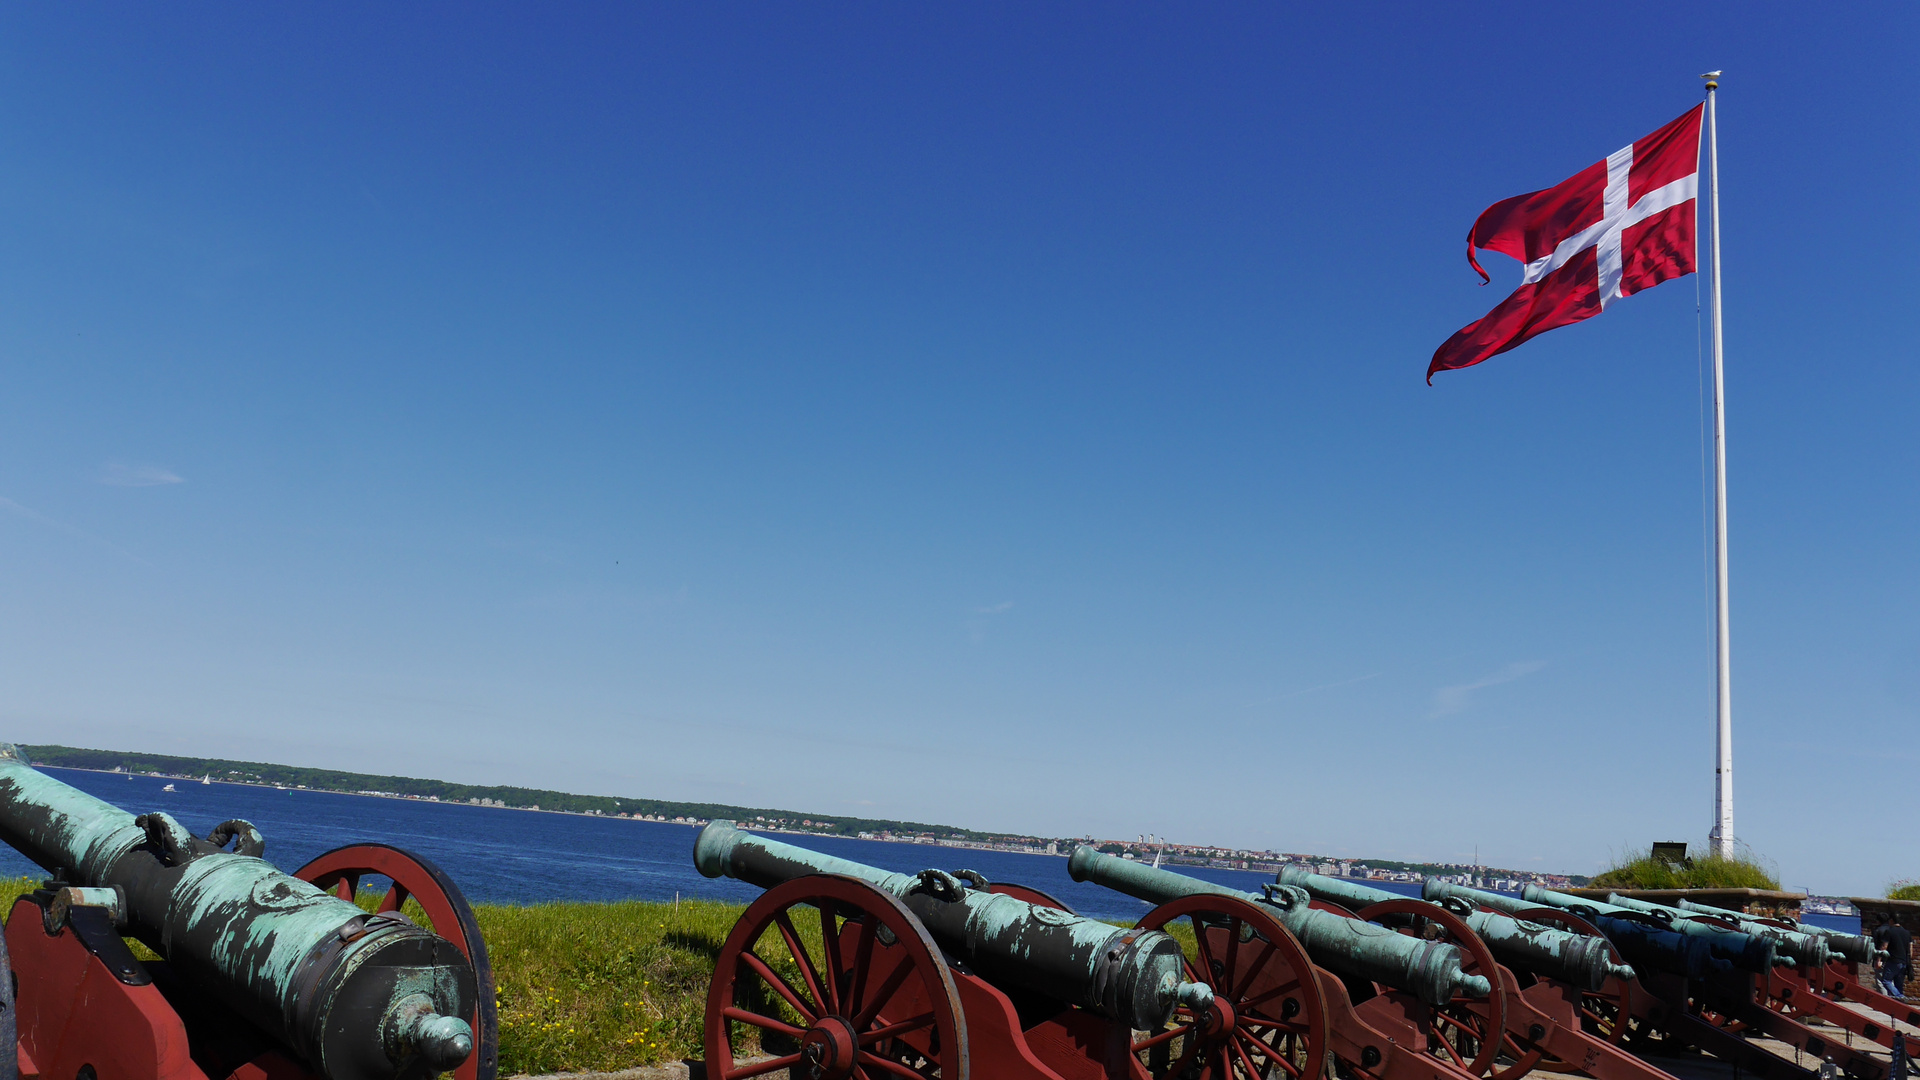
(602, 986)
(598, 986)
(1904, 889)
(1744, 871)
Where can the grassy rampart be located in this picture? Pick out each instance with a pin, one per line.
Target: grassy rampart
(1703, 872)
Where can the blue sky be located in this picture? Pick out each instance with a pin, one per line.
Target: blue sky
(1004, 416)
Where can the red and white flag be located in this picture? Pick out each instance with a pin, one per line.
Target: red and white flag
(1618, 226)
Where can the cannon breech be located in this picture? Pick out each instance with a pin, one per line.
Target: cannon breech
(355, 996)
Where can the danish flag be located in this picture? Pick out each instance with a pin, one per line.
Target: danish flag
(1618, 226)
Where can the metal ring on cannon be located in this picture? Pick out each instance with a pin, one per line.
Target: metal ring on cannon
(1461, 1027)
(1267, 1020)
(339, 871)
(874, 992)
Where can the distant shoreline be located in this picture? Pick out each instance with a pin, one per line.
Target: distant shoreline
(755, 826)
(180, 768)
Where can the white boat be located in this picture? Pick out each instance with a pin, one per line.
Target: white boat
(207, 779)
(169, 787)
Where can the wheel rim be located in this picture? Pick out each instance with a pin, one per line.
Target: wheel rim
(339, 871)
(1030, 895)
(1470, 1033)
(1606, 1013)
(871, 999)
(1268, 1022)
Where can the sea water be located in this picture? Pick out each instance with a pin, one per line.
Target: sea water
(501, 855)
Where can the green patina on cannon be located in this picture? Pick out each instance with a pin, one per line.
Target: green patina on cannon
(1580, 959)
(1431, 970)
(1855, 947)
(1128, 974)
(1808, 951)
(1641, 940)
(357, 997)
(1747, 952)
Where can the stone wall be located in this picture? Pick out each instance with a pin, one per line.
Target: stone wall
(1875, 913)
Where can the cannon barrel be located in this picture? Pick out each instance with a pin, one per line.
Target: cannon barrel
(1744, 951)
(1855, 947)
(1807, 950)
(357, 997)
(1128, 974)
(1578, 959)
(1429, 969)
(1641, 941)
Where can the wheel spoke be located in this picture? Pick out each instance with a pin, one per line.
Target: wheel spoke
(1240, 1057)
(1166, 1036)
(1233, 952)
(1285, 1027)
(761, 1068)
(894, 1067)
(1187, 1053)
(766, 1023)
(883, 993)
(922, 1021)
(1263, 998)
(830, 956)
(808, 973)
(779, 985)
(1253, 969)
(862, 960)
(1455, 1021)
(1206, 951)
(1269, 1053)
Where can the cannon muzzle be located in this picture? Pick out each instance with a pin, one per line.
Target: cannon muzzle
(1578, 959)
(355, 996)
(1857, 948)
(1129, 974)
(1429, 969)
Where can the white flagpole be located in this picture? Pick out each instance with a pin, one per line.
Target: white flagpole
(1722, 835)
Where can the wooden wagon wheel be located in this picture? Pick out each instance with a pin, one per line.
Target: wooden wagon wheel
(873, 1000)
(339, 871)
(1030, 895)
(1268, 1020)
(1606, 1013)
(1470, 1033)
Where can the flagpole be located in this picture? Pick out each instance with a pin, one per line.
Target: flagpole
(1722, 836)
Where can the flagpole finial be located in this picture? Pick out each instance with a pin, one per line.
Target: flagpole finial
(1713, 80)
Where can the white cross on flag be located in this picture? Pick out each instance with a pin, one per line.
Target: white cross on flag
(1618, 226)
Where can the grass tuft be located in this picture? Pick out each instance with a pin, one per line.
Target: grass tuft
(1743, 871)
(1903, 889)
